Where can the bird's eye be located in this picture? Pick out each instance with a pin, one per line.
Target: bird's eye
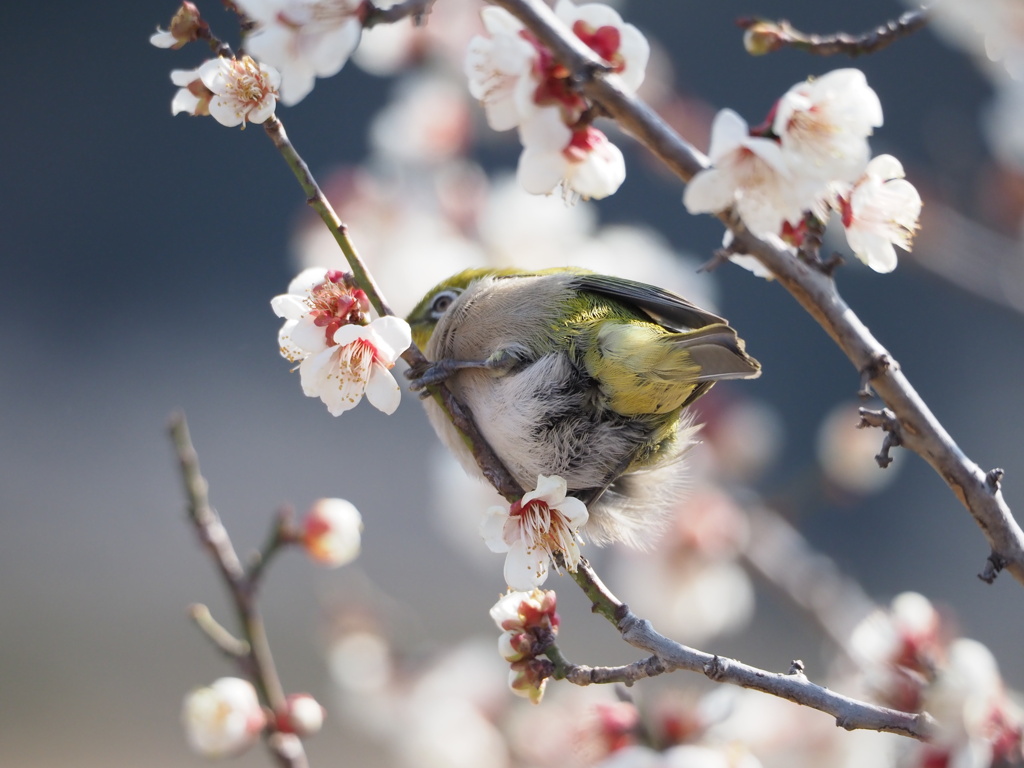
(441, 302)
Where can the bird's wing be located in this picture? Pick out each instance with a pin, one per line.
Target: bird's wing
(663, 306)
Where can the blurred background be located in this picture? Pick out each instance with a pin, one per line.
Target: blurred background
(139, 255)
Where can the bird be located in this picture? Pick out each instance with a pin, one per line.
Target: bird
(581, 375)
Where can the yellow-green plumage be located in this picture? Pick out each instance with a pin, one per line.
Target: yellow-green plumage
(578, 375)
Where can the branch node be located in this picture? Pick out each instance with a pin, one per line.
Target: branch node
(993, 565)
(715, 669)
(884, 419)
(994, 479)
(796, 667)
(879, 364)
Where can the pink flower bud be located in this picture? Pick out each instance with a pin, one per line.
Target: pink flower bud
(331, 532)
(303, 717)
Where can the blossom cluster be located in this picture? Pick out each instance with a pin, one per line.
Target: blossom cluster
(341, 355)
(913, 661)
(528, 624)
(522, 85)
(811, 156)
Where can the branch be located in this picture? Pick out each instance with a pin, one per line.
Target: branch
(257, 661)
(490, 464)
(669, 656)
(920, 430)
(764, 36)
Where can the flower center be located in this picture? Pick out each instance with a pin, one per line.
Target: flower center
(541, 526)
(246, 81)
(335, 303)
(604, 41)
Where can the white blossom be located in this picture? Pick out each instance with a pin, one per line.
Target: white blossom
(748, 172)
(233, 91)
(499, 68)
(823, 125)
(532, 530)
(620, 44)
(340, 359)
(583, 161)
(879, 211)
(304, 39)
(224, 718)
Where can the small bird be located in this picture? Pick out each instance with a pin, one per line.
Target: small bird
(579, 375)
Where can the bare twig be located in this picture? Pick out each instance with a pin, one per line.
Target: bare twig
(794, 686)
(258, 662)
(885, 420)
(920, 430)
(764, 36)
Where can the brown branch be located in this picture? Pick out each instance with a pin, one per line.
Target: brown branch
(668, 656)
(764, 36)
(258, 661)
(816, 292)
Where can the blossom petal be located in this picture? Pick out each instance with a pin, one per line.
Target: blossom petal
(526, 567)
(710, 191)
(492, 528)
(394, 337)
(540, 171)
(551, 489)
(382, 391)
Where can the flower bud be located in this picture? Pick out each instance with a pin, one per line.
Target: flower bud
(331, 532)
(223, 719)
(761, 38)
(303, 717)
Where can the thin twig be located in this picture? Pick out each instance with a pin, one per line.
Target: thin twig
(920, 430)
(794, 686)
(258, 662)
(764, 36)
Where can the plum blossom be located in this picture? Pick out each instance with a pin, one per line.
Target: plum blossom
(533, 529)
(304, 39)
(224, 718)
(583, 161)
(331, 532)
(521, 83)
(499, 68)
(823, 125)
(749, 173)
(340, 359)
(233, 91)
(602, 29)
(880, 210)
(513, 74)
(529, 623)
